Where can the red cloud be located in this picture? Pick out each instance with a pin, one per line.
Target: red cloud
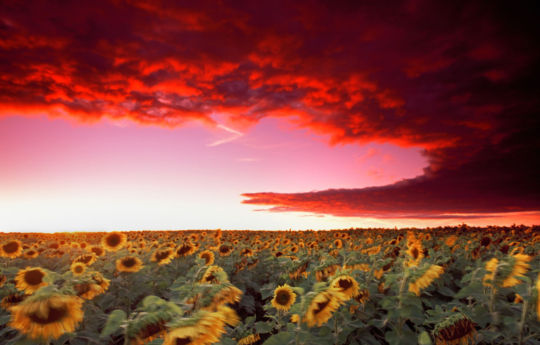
(458, 79)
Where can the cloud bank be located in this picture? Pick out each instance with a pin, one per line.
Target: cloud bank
(458, 79)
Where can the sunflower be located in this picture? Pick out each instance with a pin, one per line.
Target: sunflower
(491, 268)
(129, 264)
(214, 275)
(162, 256)
(30, 279)
(114, 241)
(284, 298)
(225, 250)
(90, 289)
(250, 339)
(11, 249)
(345, 284)
(46, 317)
(149, 332)
(362, 296)
(246, 252)
(228, 294)
(185, 249)
(78, 268)
(30, 254)
(12, 300)
(207, 256)
(455, 330)
(415, 252)
(98, 250)
(422, 282)
(299, 271)
(204, 328)
(322, 306)
(86, 259)
(519, 268)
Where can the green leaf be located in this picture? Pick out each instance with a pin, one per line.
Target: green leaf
(282, 338)
(263, 327)
(114, 322)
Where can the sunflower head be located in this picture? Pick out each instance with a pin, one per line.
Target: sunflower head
(78, 268)
(345, 284)
(30, 279)
(114, 241)
(185, 249)
(322, 306)
(225, 250)
(47, 316)
(31, 254)
(90, 288)
(86, 259)
(284, 298)
(97, 250)
(162, 256)
(207, 256)
(129, 264)
(12, 300)
(214, 275)
(11, 249)
(456, 329)
(415, 252)
(250, 339)
(424, 278)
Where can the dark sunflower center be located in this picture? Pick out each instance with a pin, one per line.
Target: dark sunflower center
(55, 315)
(344, 283)
(183, 250)
(85, 259)
(113, 240)
(182, 341)
(151, 329)
(283, 297)
(224, 249)
(129, 262)
(160, 256)
(33, 277)
(78, 269)
(206, 257)
(15, 299)
(30, 252)
(98, 251)
(278, 254)
(82, 288)
(321, 306)
(11, 247)
(415, 253)
(210, 278)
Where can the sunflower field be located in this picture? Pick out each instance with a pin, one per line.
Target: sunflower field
(448, 285)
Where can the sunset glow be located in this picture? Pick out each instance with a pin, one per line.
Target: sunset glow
(151, 115)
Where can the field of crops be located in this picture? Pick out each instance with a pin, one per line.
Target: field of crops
(458, 285)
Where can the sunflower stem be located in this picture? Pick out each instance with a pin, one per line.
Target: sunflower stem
(400, 296)
(336, 330)
(523, 317)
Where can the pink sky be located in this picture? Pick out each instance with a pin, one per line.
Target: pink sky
(61, 175)
(151, 115)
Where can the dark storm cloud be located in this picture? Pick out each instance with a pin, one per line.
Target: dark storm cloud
(456, 78)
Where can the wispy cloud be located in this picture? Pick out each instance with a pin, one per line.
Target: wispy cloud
(236, 135)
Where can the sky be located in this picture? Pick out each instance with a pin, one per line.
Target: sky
(268, 115)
